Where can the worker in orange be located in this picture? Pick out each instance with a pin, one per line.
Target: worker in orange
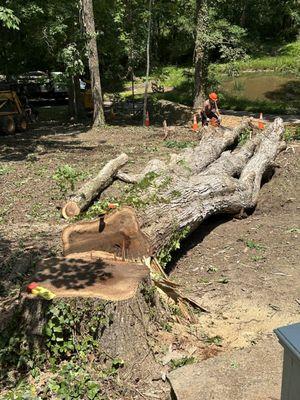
(210, 112)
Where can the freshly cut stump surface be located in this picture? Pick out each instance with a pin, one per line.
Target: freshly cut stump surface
(117, 233)
(86, 276)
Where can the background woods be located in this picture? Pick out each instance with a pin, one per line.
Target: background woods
(48, 36)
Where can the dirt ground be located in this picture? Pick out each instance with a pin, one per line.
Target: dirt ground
(244, 271)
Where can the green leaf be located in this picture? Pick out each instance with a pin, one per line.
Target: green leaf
(93, 390)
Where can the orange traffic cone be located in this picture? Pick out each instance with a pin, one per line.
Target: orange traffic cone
(195, 124)
(261, 125)
(147, 120)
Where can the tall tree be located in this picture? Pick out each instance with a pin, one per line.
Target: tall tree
(201, 52)
(148, 61)
(89, 24)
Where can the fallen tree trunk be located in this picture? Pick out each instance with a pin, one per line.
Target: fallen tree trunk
(213, 143)
(195, 184)
(229, 184)
(81, 200)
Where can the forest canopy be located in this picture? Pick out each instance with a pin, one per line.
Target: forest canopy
(48, 36)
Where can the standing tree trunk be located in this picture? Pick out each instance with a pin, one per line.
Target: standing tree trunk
(89, 24)
(76, 109)
(148, 62)
(200, 53)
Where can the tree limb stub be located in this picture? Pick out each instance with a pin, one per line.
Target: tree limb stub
(93, 187)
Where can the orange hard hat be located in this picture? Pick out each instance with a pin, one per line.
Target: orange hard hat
(213, 96)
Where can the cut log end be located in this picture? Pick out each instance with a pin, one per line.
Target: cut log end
(70, 210)
(117, 233)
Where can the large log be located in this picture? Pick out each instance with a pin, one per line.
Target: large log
(228, 185)
(81, 200)
(195, 184)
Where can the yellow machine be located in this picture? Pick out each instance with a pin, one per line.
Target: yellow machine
(88, 99)
(12, 114)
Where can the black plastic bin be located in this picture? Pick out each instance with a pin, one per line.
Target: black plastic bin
(289, 338)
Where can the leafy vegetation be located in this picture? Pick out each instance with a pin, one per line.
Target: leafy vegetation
(286, 59)
(66, 178)
(244, 136)
(5, 170)
(217, 340)
(165, 254)
(70, 337)
(8, 19)
(234, 31)
(177, 363)
(253, 245)
(292, 133)
(133, 195)
(73, 382)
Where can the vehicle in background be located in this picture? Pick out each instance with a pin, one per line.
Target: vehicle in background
(86, 92)
(42, 85)
(35, 84)
(13, 115)
(59, 89)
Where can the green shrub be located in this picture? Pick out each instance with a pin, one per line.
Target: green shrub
(66, 177)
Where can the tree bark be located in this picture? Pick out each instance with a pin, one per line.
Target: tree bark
(76, 109)
(125, 328)
(148, 62)
(227, 185)
(200, 53)
(93, 187)
(89, 24)
(195, 184)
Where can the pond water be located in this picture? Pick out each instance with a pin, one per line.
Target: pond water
(264, 87)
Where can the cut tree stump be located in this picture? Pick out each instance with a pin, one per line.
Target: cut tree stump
(127, 318)
(91, 275)
(81, 200)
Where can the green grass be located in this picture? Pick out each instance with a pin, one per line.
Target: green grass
(286, 60)
(280, 63)
(172, 75)
(229, 102)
